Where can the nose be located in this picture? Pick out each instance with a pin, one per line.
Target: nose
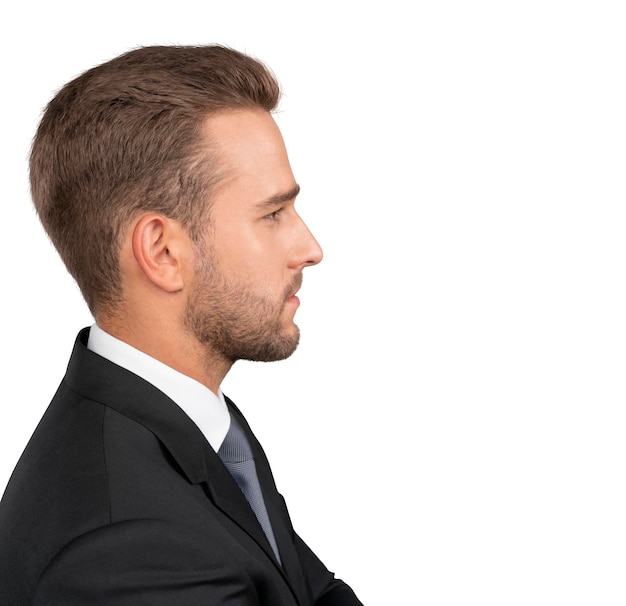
(307, 250)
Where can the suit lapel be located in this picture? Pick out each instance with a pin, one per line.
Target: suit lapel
(228, 498)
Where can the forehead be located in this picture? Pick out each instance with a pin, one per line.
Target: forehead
(243, 135)
(253, 160)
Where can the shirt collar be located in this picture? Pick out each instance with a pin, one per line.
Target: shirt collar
(206, 409)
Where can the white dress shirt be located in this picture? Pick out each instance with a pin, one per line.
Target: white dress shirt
(206, 409)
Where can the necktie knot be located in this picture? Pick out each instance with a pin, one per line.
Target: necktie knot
(235, 447)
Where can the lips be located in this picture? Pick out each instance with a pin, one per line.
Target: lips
(293, 297)
(294, 287)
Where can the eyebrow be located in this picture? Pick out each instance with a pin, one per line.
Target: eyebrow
(273, 201)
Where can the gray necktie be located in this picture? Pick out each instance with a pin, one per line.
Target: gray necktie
(237, 456)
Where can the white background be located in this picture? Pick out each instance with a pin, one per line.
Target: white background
(452, 429)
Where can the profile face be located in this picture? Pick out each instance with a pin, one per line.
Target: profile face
(248, 271)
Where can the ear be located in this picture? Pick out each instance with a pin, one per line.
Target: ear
(159, 246)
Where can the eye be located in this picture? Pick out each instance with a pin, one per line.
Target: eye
(273, 216)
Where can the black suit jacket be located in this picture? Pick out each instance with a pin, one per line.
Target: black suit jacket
(119, 500)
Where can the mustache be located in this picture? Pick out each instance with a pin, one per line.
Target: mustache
(293, 286)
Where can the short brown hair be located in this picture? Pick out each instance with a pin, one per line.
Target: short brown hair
(127, 137)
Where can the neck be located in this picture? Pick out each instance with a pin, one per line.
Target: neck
(177, 348)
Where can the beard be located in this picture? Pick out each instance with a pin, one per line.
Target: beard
(229, 319)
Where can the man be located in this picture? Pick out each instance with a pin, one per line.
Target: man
(163, 182)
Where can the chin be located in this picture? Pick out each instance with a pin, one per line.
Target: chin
(277, 347)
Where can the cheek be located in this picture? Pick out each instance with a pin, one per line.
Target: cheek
(254, 258)
(238, 249)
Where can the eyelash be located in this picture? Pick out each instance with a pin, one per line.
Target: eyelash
(274, 215)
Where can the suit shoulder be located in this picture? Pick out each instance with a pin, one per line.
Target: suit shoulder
(58, 490)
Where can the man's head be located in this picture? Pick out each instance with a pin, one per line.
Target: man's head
(128, 137)
(164, 183)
